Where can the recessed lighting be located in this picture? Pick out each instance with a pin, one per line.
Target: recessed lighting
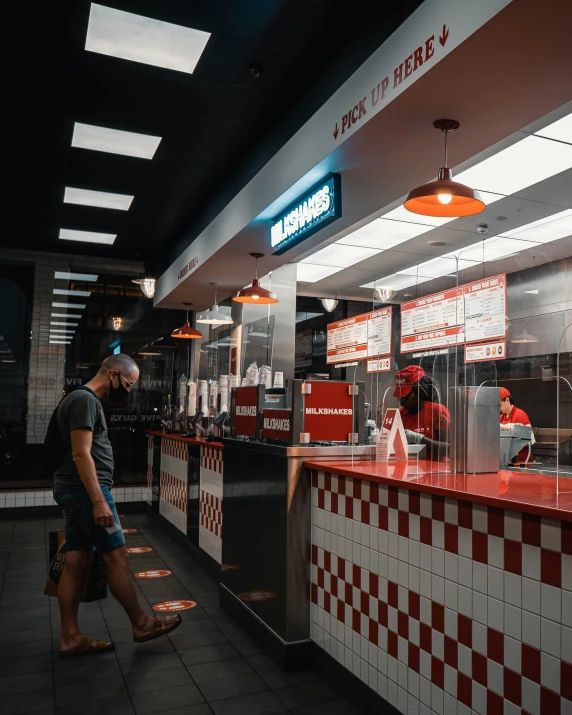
(69, 316)
(77, 293)
(532, 292)
(99, 199)
(68, 305)
(84, 277)
(61, 330)
(69, 234)
(436, 243)
(114, 141)
(547, 229)
(309, 273)
(384, 234)
(561, 130)
(341, 255)
(61, 322)
(143, 39)
(60, 342)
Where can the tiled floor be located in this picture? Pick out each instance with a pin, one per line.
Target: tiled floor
(208, 666)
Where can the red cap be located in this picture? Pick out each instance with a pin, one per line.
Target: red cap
(504, 393)
(406, 378)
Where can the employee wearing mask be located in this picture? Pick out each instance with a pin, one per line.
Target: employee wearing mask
(510, 414)
(425, 420)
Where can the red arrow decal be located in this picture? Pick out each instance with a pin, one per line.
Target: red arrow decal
(443, 36)
(336, 131)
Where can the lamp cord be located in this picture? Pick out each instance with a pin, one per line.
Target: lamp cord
(446, 132)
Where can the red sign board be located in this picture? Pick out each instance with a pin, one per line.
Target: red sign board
(246, 410)
(328, 411)
(277, 424)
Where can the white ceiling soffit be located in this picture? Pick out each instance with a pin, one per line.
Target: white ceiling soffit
(143, 39)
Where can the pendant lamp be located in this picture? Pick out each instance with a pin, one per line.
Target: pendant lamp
(186, 331)
(215, 316)
(329, 304)
(255, 294)
(445, 197)
(384, 294)
(146, 282)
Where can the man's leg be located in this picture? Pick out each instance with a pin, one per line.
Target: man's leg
(69, 594)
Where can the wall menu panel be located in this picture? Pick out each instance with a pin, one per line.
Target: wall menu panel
(469, 313)
(363, 336)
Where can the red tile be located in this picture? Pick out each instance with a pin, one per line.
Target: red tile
(341, 612)
(530, 663)
(403, 523)
(356, 620)
(327, 561)
(341, 568)
(321, 498)
(393, 498)
(414, 601)
(326, 602)
(465, 630)
(315, 478)
(392, 594)
(566, 680)
(464, 689)
(480, 547)
(531, 529)
(314, 554)
(438, 508)
(357, 489)
(451, 652)
(425, 530)
(437, 617)
(356, 575)
(413, 657)
(566, 528)
(364, 603)
(328, 482)
(349, 508)
(342, 485)
(314, 593)
(373, 585)
(513, 556)
(414, 503)
(382, 613)
(549, 701)
(479, 668)
(320, 577)
(551, 567)
(465, 514)
(373, 631)
(403, 624)
(334, 503)
(512, 687)
(373, 493)
(495, 704)
(452, 538)
(334, 585)
(392, 643)
(425, 637)
(495, 646)
(437, 672)
(383, 518)
(496, 521)
(348, 595)
(365, 512)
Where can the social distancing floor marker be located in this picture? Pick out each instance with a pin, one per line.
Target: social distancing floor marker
(139, 550)
(121, 516)
(153, 574)
(129, 531)
(257, 596)
(230, 567)
(174, 606)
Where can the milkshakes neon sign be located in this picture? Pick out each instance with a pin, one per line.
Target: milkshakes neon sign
(308, 214)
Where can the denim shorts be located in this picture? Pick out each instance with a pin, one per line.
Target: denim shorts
(82, 533)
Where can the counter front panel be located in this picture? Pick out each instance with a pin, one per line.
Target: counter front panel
(441, 605)
(173, 487)
(210, 526)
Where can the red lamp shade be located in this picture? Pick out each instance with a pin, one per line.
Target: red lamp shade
(186, 332)
(255, 294)
(445, 198)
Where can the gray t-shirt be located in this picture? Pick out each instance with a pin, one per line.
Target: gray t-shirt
(82, 410)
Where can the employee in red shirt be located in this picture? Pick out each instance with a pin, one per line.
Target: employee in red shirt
(425, 420)
(511, 414)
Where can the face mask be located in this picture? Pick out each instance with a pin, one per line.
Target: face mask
(118, 394)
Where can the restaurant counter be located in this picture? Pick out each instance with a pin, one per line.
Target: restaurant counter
(443, 593)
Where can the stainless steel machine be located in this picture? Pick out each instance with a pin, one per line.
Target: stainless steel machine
(475, 429)
(512, 440)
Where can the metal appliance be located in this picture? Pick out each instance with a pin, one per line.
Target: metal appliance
(475, 429)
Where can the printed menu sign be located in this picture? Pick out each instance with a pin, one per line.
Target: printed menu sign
(466, 314)
(303, 349)
(363, 336)
(484, 352)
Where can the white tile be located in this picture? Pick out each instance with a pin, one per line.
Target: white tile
(550, 534)
(567, 608)
(512, 589)
(465, 569)
(437, 644)
(425, 610)
(465, 660)
(511, 709)
(495, 615)
(425, 690)
(392, 569)
(480, 607)
(479, 577)
(451, 595)
(465, 601)
(496, 551)
(550, 640)
(412, 705)
(512, 654)
(479, 700)
(550, 602)
(426, 505)
(425, 556)
(495, 677)
(414, 631)
(414, 553)
(424, 667)
(437, 700)
(513, 621)
(513, 525)
(414, 578)
(567, 572)
(451, 567)
(479, 638)
(550, 672)
(465, 544)
(566, 644)
(451, 511)
(438, 561)
(531, 562)
(480, 518)
(531, 696)
(438, 534)
(531, 595)
(438, 589)
(495, 583)
(425, 583)
(531, 629)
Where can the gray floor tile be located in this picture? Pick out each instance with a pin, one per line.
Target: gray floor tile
(200, 709)
(339, 707)
(19, 666)
(246, 647)
(219, 669)
(119, 706)
(25, 650)
(26, 636)
(167, 678)
(14, 684)
(149, 662)
(207, 653)
(279, 679)
(306, 694)
(86, 692)
(38, 701)
(232, 687)
(257, 704)
(88, 671)
(158, 700)
(197, 640)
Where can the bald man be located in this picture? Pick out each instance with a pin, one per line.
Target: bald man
(82, 488)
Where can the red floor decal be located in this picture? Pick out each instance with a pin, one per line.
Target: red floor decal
(174, 606)
(129, 531)
(139, 550)
(152, 574)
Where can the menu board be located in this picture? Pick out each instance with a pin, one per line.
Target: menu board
(363, 336)
(303, 349)
(469, 313)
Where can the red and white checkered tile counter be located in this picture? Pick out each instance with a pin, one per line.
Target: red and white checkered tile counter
(442, 605)
(148, 494)
(210, 527)
(173, 504)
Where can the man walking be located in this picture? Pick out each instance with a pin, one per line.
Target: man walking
(82, 488)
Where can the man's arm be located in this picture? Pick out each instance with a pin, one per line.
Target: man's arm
(81, 454)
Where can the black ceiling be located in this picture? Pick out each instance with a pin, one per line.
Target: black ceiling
(218, 125)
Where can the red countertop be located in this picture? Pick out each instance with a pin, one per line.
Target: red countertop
(518, 491)
(192, 440)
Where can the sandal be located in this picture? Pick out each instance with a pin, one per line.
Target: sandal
(163, 625)
(87, 646)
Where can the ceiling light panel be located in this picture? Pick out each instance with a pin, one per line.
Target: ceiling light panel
(68, 234)
(402, 214)
(309, 273)
(144, 39)
(561, 130)
(59, 322)
(523, 164)
(79, 306)
(77, 293)
(547, 229)
(384, 234)
(340, 255)
(84, 277)
(99, 199)
(69, 316)
(60, 342)
(114, 141)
